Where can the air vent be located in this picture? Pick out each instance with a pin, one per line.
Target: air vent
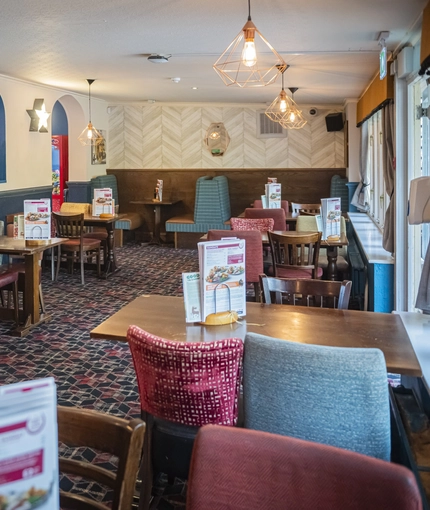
(266, 128)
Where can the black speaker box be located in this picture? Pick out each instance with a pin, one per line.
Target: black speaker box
(334, 121)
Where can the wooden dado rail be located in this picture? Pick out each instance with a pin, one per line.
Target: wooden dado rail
(304, 185)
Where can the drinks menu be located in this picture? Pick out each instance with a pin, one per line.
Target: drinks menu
(29, 446)
(221, 283)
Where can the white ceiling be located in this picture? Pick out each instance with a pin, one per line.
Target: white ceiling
(331, 45)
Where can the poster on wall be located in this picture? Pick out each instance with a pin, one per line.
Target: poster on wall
(98, 152)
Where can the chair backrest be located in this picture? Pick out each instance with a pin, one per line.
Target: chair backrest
(331, 395)
(70, 225)
(259, 204)
(75, 207)
(212, 204)
(251, 470)
(303, 292)
(298, 252)
(309, 208)
(104, 433)
(261, 224)
(253, 250)
(278, 216)
(309, 224)
(189, 383)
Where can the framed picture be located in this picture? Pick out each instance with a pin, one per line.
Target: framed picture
(98, 152)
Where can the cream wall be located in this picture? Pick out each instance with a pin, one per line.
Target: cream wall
(171, 136)
(28, 154)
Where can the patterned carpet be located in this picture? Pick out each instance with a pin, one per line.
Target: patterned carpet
(95, 374)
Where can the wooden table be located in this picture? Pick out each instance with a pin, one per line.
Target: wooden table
(165, 316)
(156, 238)
(331, 246)
(19, 247)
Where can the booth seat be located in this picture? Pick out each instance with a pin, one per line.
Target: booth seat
(131, 221)
(211, 209)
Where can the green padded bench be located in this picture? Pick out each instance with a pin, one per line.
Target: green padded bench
(131, 221)
(211, 209)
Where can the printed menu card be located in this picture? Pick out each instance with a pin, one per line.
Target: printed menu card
(37, 219)
(29, 446)
(221, 283)
(103, 202)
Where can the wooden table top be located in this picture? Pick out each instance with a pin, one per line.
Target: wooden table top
(16, 246)
(165, 316)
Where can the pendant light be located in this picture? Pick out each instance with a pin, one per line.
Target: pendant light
(247, 61)
(90, 135)
(280, 106)
(293, 117)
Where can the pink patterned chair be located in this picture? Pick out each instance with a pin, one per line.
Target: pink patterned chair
(258, 204)
(253, 254)
(278, 216)
(244, 469)
(260, 224)
(182, 386)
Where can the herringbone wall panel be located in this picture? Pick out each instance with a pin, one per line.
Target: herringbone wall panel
(172, 137)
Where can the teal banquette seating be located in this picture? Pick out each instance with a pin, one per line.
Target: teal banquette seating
(132, 220)
(211, 209)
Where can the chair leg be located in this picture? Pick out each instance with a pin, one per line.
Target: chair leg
(41, 300)
(98, 263)
(82, 268)
(16, 303)
(146, 472)
(58, 262)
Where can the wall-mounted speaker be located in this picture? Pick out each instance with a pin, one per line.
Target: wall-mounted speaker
(334, 121)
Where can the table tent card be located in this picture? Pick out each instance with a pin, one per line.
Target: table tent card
(329, 220)
(18, 226)
(221, 283)
(37, 219)
(103, 202)
(158, 191)
(29, 446)
(273, 195)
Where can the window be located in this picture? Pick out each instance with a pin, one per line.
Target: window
(2, 143)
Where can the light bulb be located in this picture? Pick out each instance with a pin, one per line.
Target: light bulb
(249, 54)
(292, 116)
(283, 106)
(90, 133)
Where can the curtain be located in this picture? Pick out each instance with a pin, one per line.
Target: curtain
(423, 296)
(389, 172)
(361, 196)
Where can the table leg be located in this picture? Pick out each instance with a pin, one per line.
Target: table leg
(110, 262)
(156, 239)
(332, 265)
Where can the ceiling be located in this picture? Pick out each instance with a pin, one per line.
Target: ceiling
(331, 45)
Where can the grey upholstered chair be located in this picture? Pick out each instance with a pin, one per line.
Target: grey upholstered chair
(331, 395)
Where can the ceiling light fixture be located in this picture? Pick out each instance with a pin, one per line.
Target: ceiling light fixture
(279, 108)
(90, 135)
(293, 118)
(159, 59)
(246, 62)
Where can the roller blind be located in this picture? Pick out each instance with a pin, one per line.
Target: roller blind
(376, 95)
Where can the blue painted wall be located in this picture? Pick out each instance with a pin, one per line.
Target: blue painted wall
(60, 125)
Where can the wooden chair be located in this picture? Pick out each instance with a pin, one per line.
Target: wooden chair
(105, 433)
(322, 293)
(78, 246)
(10, 277)
(305, 208)
(291, 474)
(295, 256)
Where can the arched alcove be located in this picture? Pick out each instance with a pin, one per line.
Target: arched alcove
(2, 142)
(76, 121)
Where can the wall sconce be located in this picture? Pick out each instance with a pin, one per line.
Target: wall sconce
(217, 139)
(39, 116)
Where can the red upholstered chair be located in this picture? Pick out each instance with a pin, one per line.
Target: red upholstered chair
(253, 253)
(182, 386)
(278, 216)
(295, 256)
(260, 224)
(240, 469)
(258, 204)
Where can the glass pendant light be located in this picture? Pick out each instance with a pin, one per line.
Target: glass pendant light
(90, 135)
(293, 117)
(247, 61)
